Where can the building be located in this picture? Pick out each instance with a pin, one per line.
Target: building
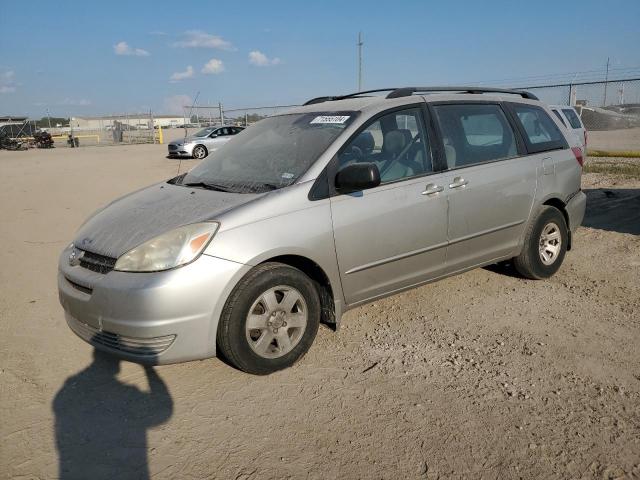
(138, 121)
(12, 120)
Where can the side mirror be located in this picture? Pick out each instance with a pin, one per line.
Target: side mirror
(357, 176)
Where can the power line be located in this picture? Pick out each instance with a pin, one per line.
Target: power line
(569, 76)
(360, 44)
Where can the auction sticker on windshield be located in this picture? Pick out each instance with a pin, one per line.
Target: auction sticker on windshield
(339, 119)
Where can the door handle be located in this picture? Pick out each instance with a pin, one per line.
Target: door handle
(432, 188)
(458, 182)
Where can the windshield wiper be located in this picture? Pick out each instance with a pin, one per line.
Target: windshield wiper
(262, 186)
(208, 186)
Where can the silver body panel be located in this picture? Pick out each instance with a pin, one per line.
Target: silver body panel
(184, 302)
(368, 244)
(405, 232)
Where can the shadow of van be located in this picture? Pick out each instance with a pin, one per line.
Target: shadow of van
(613, 209)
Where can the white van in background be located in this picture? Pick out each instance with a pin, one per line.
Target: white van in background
(571, 120)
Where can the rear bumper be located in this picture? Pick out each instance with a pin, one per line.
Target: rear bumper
(575, 210)
(154, 318)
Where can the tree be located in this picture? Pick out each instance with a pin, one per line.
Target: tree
(44, 122)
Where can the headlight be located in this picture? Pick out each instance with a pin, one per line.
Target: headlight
(172, 249)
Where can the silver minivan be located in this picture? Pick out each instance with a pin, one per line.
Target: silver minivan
(307, 214)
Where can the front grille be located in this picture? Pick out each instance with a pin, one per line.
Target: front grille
(173, 147)
(143, 347)
(97, 263)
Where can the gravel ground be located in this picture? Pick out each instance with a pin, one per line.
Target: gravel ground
(483, 375)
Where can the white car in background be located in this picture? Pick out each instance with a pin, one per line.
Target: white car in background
(203, 142)
(572, 122)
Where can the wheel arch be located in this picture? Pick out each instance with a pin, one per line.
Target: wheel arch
(206, 150)
(320, 279)
(560, 205)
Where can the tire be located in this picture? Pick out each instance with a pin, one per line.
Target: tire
(267, 292)
(545, 245)
(200, 152)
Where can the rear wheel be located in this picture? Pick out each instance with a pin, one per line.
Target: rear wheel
(545, 245)
(270, 319)
(199, 152)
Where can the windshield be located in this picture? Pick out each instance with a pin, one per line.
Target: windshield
(271, 154)
(204, 132)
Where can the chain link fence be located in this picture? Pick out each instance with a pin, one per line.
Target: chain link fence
(205, 116)
(128, 128)
(610, 110)
(124, 129)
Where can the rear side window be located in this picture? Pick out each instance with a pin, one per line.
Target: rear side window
(557, 113)
(572, 116)
(475, 133)
(539, 131)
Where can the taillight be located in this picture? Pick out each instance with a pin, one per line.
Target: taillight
(577, 152)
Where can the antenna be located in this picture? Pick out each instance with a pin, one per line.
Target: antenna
(359, 44)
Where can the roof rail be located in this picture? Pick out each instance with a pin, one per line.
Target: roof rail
(407, 91)
(350, 95)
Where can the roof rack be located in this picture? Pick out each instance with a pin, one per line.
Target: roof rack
(407, 91)
(350, 95)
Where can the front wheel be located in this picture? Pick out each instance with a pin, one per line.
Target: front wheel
(199, 152)
(545, 245)
(270, 319)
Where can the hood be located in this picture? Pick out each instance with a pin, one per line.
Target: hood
(147, 213)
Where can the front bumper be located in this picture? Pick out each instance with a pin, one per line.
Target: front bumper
(180, 151)
(155, 318)
(575, 210)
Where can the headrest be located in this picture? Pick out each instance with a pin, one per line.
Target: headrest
(365, 142)
(394, 142)
(407, 135)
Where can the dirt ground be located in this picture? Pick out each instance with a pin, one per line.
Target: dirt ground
(484, 375)
(616, 140)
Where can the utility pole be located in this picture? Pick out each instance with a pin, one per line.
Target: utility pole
(221, 113)
(359, 44)
(606, 79)
(49, 117)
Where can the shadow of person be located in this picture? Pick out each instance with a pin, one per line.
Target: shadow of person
(101, 424)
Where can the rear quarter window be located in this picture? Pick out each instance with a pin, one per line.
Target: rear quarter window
(539, 131)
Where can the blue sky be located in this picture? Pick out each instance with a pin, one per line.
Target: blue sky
(77, 58)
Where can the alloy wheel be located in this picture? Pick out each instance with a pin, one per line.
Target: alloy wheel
(276, 322)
